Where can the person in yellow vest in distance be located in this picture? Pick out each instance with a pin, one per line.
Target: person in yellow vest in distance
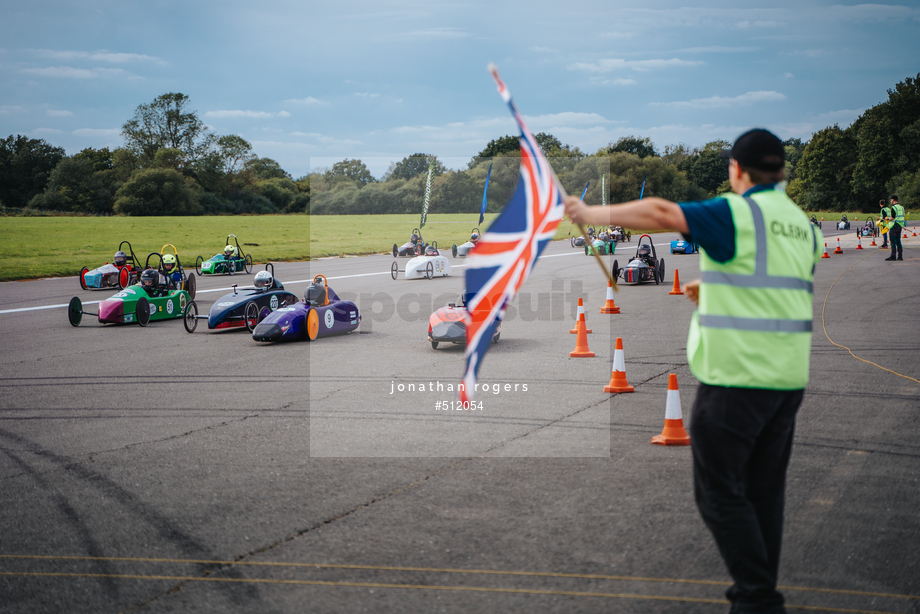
(884, 215)
(749, 345)
(897, 223)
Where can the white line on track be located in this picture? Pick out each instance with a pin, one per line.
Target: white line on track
(299, 281)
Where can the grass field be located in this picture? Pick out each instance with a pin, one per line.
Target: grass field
(35, 247)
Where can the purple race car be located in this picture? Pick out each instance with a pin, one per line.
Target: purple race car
(321, 314)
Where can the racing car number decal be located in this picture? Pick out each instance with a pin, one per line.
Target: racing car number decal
(438, 266)
(153, 309)
(274, 302)
(329, 319)
(169, 306)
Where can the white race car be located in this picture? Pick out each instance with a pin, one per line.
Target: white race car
(460, 251)
(431, 264)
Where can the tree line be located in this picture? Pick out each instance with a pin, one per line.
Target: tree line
(172, 164)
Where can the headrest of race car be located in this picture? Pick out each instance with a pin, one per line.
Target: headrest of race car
(315, 295)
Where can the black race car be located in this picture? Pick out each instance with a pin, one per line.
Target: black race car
(415, 246)
(644, 266)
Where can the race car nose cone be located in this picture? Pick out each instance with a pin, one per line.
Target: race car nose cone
(449, 331)
(111, 311)
(266, 331)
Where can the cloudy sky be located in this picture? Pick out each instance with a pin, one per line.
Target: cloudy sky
(309, 83)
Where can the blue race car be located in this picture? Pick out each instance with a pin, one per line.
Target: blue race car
(684, 247)
(244, 307)
(321, 314)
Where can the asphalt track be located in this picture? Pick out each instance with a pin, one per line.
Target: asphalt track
(149, 470)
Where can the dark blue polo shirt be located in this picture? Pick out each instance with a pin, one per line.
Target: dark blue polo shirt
(711, 226)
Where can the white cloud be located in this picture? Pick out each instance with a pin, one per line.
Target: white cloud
(309, 100)
(717, 49)
(567, 118)
(55, 113)
(97, 132)
(75, 73)
(96, 56)
(604, 81)
(717, 102)
(788, 75)
(236, 114)
(444, 32)
(7, 109)
(366, 95)
(326, 140)
(610, 64)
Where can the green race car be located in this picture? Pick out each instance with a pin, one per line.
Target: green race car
(231, 261)
(158, 295)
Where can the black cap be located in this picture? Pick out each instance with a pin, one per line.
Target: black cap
(758, 149)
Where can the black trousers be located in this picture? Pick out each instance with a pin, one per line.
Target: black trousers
(741, 440)
(896, 249)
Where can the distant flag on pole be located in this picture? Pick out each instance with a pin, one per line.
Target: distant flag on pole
(427, 195)
(603, 190)
(506, 253)
(642, 191)
(485, 203)
(585, 191)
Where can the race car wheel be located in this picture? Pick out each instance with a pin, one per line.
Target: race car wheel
(198, 262)
(75, 311)
(429, 270)
(615, 271)
(660, 271)
(191, 317)
(231, 267)
(586, 249)
(251, 315)
(572, 241)
(453, 250)
(190, 286)
(434, 345)
(124, 278)
(629, 237)
(83, 278)
(248, 264)
(395, 251)
(143, 311)
(394, 270)
(312, 325)
(496, 338)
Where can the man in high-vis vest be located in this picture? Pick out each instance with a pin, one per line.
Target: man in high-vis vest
(884, 215)
(749, 345)
(898, 222)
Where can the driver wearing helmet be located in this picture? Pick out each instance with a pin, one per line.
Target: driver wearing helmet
(264, 280)
(315, 295)
(230, 252)
(150, 282)
(644, 251)
(431, 250)
(414, 239)
(474, 237)
(171, 268)
(121, 259)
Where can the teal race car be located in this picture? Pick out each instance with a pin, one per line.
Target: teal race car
(230, 262)
(158, 295)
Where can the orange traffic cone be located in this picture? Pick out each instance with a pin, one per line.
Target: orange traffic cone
(676, 289)
(609, 305)
(673, 433)
(915, 233)
(873, 242)
(578, 314)
(581, 342)
(618, 381)
(837, 249)
(825, 254)
(858, 242)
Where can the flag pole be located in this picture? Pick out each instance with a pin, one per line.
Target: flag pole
(584, 234)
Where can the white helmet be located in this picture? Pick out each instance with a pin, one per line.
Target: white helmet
(263, 279)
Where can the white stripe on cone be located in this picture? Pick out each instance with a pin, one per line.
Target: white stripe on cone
(672, 408)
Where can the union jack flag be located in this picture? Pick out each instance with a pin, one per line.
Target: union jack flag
(506, 253)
